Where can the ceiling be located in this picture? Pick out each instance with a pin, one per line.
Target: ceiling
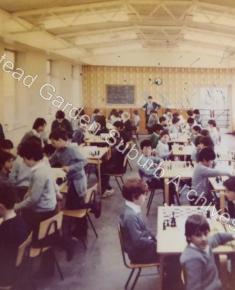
(125, 32)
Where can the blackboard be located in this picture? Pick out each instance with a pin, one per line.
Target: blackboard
(120, 94)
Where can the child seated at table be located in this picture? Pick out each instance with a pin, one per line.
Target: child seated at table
(202, 172)
(175, 127)
(6, 164)
(13, 232)
(197, 259)
(162, 148)
(155, 137)
(6, 145)
(214, 132)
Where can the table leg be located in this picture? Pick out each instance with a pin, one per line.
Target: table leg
(222, 201)
(99, 176)
(166, 190)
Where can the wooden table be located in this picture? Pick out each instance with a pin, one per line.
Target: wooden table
(94, 139)
(175, 169)
(172, 241)
(182, 150)
(95, 155)
(179, 138)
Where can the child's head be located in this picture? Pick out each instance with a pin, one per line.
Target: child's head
(6, 145)
(196, 130)
(196, 112)
(157, 128)
(190, 113)
(154, 113)
(190, 121)
(196, 231)
(176, 115)
(163, 121)
(31, 151)
(146, 147)
(7, 198)
(212, 123)
(176, 121)
(6, 162)
(39, 125)
(165, 138)
(96, 111)
(205, 133)
(119, 126)
(150, 99)
(135, 112)
(229, 184)
(60, 115)
(206, 156)
(135, 190)
(58, 138)
(206, 142)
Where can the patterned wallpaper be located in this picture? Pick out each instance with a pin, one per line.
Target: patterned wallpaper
(180, 85)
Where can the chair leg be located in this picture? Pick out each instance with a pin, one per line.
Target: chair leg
(118, 183)
(136, 279)
(58, 266)
(92, 225)
(129, 278)
(150, 201)
(122, 179)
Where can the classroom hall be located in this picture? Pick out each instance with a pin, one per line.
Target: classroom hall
(117, 145)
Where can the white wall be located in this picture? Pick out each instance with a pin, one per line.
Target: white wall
(19, 111)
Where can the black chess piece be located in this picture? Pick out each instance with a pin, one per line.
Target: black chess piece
(208, 214)
(167, 223)
(164, 226)
(173, 221)
(217, 179)
(98, 152)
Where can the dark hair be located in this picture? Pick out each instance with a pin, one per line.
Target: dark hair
(101, 120)
(145, 143)
(195, 225)
(204, 132)
(230, 183)
(175, 115)
(212, 122)
(207, 154)
(175, 120)
(190, 120)
(133, 188)
(162, 119)
(207, 142)
(96, 111)
(118, 124)
(48, 149)
(150, 97)
(196, 112)
(31, 149)
(167, 110)
(59, 134)
(164, 132)
(39, 122)
(7, 195)
(157, 128)
(4, 157)
(60, 115)
(197, 128)
(197, 140)
(136, 112)
(6, 144)
(190, 113)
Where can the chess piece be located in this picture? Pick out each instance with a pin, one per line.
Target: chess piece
(173, 221)
(167, 223)
(208, 214)
(217, 179)
(164, 226)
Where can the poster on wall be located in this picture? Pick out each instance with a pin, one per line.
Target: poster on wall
(120, 94)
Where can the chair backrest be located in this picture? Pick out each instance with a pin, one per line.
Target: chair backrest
(122, 245)
(50, 226)
(22, 250)
(90, 194)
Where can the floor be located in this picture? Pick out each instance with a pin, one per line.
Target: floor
(100, 267)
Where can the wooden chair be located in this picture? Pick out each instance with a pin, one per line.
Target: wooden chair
(119, 175)
(131, 266)
(47, 228)
(22, 256)
(84, 212)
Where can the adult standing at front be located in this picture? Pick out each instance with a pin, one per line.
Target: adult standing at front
(2, 136)
(149, 107)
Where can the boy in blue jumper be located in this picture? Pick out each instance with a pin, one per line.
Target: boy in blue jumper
(198, 259)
